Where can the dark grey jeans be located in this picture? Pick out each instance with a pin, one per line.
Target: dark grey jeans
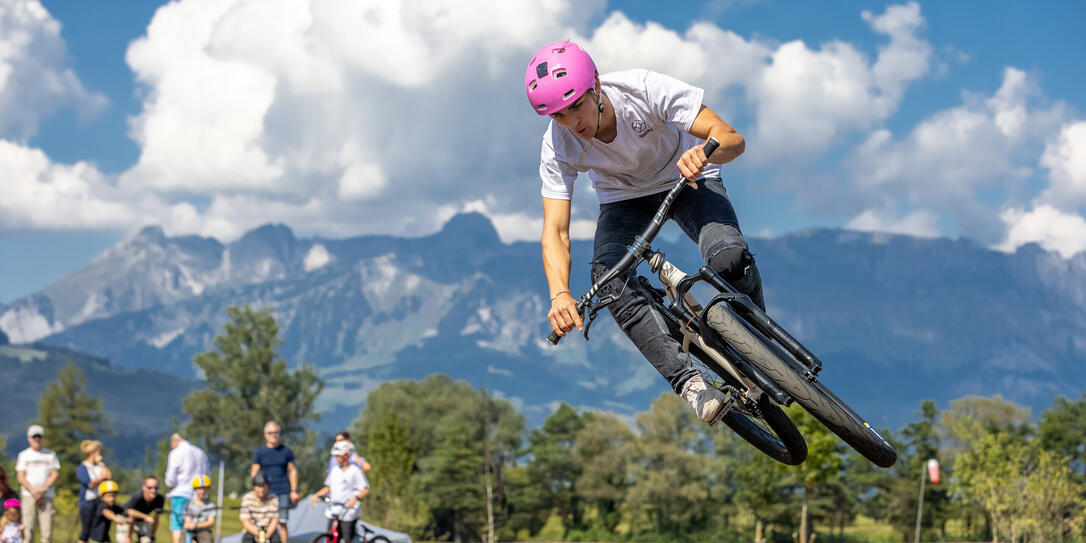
(707, 217)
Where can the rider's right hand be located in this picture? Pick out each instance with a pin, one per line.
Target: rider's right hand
(563, 314)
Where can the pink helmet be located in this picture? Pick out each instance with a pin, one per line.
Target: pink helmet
(557, 76)
(10, 503)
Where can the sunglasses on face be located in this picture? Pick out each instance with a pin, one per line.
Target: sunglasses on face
(271, 433)
(151, 487)
(36, 436)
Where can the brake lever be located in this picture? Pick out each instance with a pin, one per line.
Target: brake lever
(593, 311)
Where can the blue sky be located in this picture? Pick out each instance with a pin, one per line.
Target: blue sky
(345, 118)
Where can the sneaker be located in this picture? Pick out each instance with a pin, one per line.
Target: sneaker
(706, 400)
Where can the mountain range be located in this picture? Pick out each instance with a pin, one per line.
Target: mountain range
(896, 319)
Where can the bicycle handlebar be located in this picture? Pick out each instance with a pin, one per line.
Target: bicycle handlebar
(640, 242)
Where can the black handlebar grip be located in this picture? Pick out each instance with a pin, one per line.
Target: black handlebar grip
(554, 338)
(710, 146)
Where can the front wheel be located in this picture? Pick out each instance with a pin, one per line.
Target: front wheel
(783, 370)
(378, 539)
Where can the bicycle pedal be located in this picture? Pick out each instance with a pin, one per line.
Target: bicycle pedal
(728, 405)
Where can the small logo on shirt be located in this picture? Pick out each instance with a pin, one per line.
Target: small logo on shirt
(641, 128)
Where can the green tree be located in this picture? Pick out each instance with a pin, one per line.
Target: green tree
(1062, 429)
(824, 463)
(450, 482)
(671, 470)
(248, 384)
(69, 415)
(921, 442)
(393, 502)
(553, 468)
(990, 473)
(603, 449)
(1055, 505)
(418, 415)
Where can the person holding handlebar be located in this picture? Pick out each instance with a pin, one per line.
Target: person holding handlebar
(629, 130)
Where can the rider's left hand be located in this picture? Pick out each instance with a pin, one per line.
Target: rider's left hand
(691, 163)
(293, 497)
(351, 502)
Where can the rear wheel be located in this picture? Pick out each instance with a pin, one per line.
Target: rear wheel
(781, 368)
(322, 538)
(761, 423)
(378, 539)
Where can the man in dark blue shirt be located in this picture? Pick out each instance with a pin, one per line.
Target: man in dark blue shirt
(276, 461)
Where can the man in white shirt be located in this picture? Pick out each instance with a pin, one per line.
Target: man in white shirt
(184, 463)
(37, 469)
(631, 131)
(345, 487)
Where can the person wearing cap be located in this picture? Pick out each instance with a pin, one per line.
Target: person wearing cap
(11, 531)
(185, 462)
(199, 514)
(37, 469)
(356, 458)
(345, 485)
(260, 512)
(100, 513)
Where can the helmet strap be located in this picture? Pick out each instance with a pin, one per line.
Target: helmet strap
(599, 108)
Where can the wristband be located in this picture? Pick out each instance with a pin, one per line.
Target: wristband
(555, 297)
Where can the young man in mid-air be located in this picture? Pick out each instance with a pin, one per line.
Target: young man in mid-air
(630, 130)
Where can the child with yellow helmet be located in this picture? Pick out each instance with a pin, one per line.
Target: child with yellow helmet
(199, 514)
(100, 513)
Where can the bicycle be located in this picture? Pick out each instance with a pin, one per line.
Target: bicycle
(756, 364)
(334, 512)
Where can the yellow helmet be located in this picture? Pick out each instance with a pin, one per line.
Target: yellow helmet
(105, 487)
(201, 481)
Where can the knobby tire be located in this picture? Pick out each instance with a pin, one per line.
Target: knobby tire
(782, 369)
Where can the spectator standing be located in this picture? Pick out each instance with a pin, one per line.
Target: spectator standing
(99, 513)
(6, 493)
(184, 463)
(276, 462)
(345, 485)
(200, 512)
(11, 531)
(356, 458)
(91, 470)
(144, 508)
(260, 512)
(37, 469)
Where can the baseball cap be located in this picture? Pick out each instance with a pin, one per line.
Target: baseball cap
(35, 430)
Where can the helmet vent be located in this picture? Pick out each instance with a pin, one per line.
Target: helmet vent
(559, 50)
(533, 85)
(541, 107)
(568, 94)
(559, 73)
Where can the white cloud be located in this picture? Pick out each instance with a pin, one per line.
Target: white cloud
(920, 223)
(39, 194)
(1053, 229)
(984, 144)
(34, 78)
(1065, 158)
(342, 117)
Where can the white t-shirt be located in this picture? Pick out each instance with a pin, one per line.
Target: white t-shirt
(37, 465)
(184, 462)
(94, 471)
(344, 483)
(653, 114)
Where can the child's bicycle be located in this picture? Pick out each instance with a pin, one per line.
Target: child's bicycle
(744, 353)
(334, 512)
